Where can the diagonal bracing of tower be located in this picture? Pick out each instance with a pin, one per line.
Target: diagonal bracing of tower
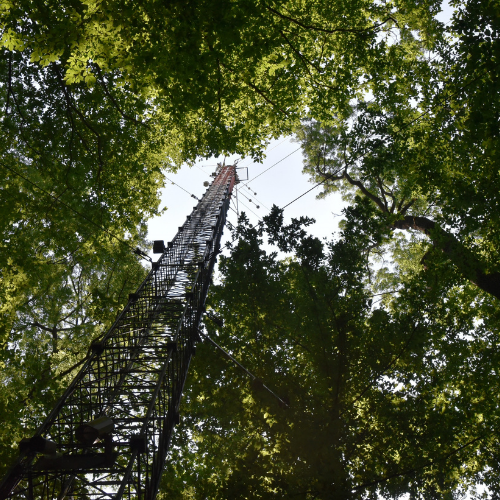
(109, 435)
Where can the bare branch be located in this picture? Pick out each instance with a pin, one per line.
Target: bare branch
(381, 189)
(365, 191)
(106, 91)
(326, 30)
(407, 206)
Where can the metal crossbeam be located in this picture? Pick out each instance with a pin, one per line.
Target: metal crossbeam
(133, 379)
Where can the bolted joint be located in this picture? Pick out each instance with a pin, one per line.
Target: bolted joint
(97, 347)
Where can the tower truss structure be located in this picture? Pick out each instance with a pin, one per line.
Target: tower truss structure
(109, 435)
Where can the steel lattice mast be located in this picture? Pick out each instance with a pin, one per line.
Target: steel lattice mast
(114, 424)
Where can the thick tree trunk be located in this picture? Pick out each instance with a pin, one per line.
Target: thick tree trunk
(466, 261)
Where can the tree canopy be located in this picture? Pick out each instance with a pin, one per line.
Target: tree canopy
(426, 154)
(78, 184)
(391, 106)
(226, 75)
(371, 399)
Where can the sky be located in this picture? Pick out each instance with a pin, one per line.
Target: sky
(280, 185)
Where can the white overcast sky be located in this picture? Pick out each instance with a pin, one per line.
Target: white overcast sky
(279, 185)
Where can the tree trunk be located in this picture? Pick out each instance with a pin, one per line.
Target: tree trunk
(466, 261)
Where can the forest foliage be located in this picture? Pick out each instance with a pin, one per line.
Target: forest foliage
(373, 397)
(382, 340)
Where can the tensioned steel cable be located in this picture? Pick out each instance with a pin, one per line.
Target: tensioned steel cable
(272, 166)
(407, 125)
(274, 147)
(250, 210)
(251, 200)
(239, 365)
(416, 119)
(193, 196)
(286, 138)
(190, 194)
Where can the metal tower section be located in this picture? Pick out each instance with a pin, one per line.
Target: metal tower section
(109, 435)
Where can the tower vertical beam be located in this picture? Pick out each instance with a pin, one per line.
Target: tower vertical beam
(133, 380)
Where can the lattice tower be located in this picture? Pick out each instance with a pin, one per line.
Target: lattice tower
(109, 435)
